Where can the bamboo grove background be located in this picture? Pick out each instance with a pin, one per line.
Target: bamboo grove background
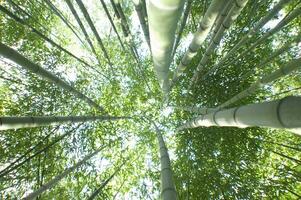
(95, 61)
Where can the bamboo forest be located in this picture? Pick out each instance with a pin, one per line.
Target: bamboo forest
(150, 99)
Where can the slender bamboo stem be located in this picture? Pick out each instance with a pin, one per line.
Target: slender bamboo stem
(234, 12)
(112, 23)
(283, 71)
(13, 55)
(94, 30)
(21, 21)
(206, 23)
(26, 122)
(286, 20)
(64, 20)
(253, 31)
(59, 177)
(98, 190)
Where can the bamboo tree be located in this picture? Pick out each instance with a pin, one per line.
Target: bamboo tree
(14, 56)
(98, 190)
(286, 20)
(142, 19)
(125, 27)
(124, 23)
(18, 8)
(95, 32)
(199, 37)
(144, 10)
(283, 71)
(234, 12)
(118, 190)
(25, 122)
(182, 26)
(16, 164)
(163, 18)
(276, 53)
(115, 9)
(168, 190)
(59, 177)
(58, 13)
(82, 27)
(220, 19)
(21, 21)
(112, 23)
(282, 145)
(121, 16)
(287, 157)
(196, 109)
(253, 31)
(284, 113)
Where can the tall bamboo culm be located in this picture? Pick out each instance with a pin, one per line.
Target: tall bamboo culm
(27, 122)
(59, 177)
(163, 18)
(14, 56)
(284, 114)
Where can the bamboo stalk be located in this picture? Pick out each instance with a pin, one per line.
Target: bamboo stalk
(94, 30)
(290, 17)
(163, 18)
(234, 12)
(284, 113)
(37, 121)
(21, 21)
(13, 55)
(283, 71)
(59, 177)
(206, 23)
(253, 31)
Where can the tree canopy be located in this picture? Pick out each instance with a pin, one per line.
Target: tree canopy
(93, 95)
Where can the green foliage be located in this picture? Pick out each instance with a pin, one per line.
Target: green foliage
(208, 163)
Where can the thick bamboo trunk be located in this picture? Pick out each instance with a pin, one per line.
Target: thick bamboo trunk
(25, 122)
(168, 191)
(142, 18)
(220, 19)
(21, 21)
(182, 26)
(56, 11)
(253, 31)
(290, 17)
(59, 177)
(284, 113)
(112, 23)
(199, 37)
(283, 71)
(82, 27)
(163, 18)
(13, 55)
(234, 12)
(95, 32)
(99, 189)
(196, 109)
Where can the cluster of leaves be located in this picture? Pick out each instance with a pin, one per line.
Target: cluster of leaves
(208, 163)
